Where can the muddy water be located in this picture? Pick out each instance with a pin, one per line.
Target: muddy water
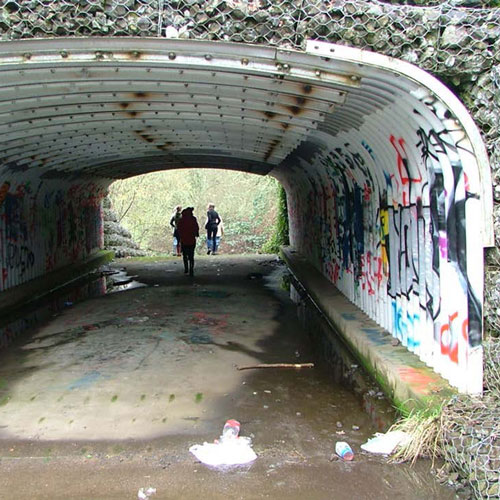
(108, 396)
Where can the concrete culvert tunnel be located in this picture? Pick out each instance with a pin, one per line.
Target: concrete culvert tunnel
(387, 179)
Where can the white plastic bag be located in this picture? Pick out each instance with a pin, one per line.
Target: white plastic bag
(226, 452)
(386, 443)
(145, 493)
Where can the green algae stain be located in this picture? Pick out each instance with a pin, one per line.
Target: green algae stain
(114, 398)
(32, 398)
(3, 383)
(4, 400)
(198, 398)
(143, 397)
(164, 419)
(171, 398)
(41, 420)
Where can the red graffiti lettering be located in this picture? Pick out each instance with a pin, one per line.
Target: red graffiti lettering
(367, 192)
(419, 380)
(465, 329)
(402, 162)
(3, 191)
(448, 342)
(466, 181)
(379, 274)
(369, 274)
(336, 273)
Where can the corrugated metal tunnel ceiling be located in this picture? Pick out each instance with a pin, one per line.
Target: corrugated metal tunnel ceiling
(116, 108)
(93, 107)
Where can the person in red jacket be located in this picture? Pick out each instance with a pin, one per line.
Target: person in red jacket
(188, 231)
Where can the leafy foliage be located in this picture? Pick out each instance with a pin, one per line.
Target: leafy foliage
(280, 235)
(248, 205)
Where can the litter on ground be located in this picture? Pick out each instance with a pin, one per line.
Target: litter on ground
(226, 452)
(145, 493)
(386, 443)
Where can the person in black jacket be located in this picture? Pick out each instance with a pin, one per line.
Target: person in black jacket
(213, 221)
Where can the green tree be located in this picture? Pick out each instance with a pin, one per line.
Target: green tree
(247, 203)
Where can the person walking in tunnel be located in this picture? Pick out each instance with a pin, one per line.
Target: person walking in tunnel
(188, 231)
(213, 221)
(176, 246)
(218, 236)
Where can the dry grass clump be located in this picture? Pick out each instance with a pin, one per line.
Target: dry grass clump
(425, 431)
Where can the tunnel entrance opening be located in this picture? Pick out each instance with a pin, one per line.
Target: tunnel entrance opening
(247, 204)
(387, 179)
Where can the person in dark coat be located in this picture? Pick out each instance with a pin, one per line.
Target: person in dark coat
(188, 230)
(213, 221)
(176, 247)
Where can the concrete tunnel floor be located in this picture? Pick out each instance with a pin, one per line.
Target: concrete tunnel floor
(108, 396)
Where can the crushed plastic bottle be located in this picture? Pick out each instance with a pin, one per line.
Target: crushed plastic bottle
(231, 430)
(343, 450)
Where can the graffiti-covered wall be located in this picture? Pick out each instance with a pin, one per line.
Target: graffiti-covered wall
(391, 215)
(45, 225)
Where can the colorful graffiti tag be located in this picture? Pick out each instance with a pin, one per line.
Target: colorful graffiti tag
(46, 226)
(388, 221)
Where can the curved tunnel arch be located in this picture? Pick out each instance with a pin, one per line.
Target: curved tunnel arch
(386, 175)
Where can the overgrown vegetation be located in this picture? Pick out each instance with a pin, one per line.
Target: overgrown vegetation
(425, 431)
(280, 235)
(248, 204)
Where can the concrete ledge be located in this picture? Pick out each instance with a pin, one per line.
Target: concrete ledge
(32, 290)
(401, 375)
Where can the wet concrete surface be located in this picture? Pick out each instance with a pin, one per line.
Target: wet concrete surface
(108, 396)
